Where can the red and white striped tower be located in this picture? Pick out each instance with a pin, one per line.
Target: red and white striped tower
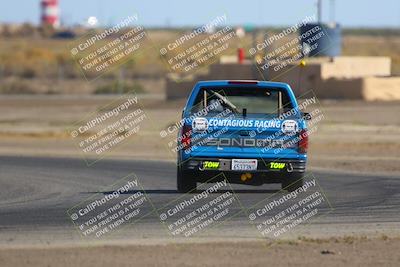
(50, 13)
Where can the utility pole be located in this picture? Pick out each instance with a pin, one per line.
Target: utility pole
(319, 7)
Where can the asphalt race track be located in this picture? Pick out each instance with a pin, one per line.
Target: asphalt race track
(35, 194)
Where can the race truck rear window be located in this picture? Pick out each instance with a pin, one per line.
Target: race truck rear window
(248, 101)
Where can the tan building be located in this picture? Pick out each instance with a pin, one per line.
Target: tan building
(366, 78)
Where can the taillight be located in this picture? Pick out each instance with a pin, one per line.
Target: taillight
(186, 133)
(303, 142)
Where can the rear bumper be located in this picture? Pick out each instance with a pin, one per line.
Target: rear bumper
(263, 165)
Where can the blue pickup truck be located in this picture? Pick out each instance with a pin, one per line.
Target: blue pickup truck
(246, 132)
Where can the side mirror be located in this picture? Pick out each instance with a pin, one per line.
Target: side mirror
(306, 116)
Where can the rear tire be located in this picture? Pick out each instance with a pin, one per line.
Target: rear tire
(292, 182)
(185, 181)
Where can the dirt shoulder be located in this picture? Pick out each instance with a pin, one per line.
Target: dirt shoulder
(347, 251)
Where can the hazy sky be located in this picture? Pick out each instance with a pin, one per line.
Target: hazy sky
(350, 13)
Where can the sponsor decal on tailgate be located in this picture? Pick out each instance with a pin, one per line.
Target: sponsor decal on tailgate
(244, 123)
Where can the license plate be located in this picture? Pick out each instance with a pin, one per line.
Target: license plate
(244, 164)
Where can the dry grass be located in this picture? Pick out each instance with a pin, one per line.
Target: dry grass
(40, 60)
(374, 46)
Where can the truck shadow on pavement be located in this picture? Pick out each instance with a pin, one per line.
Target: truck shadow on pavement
(174, 191)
